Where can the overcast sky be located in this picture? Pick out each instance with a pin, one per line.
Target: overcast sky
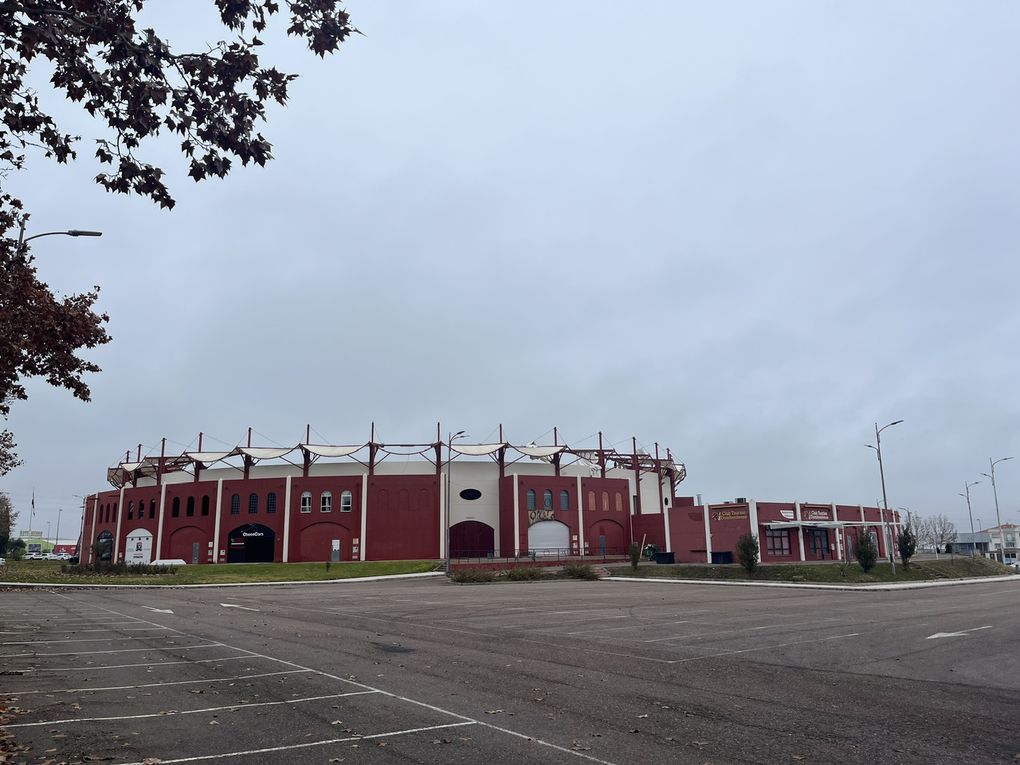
(746, 231)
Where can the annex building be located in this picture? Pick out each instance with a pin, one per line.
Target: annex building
(439, 500)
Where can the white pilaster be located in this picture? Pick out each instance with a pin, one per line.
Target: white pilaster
(216, 524)
(286, 521)
(800, 530)
(120, 517)
(839, 540)
(517, 519)
(708, 533)
(443, 488)
(752, 514)
(159, 527)
(88, 545)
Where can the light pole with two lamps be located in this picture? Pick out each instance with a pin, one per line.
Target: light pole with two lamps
(887, 534)
(995, 494)
(449, 466)
(966, 488)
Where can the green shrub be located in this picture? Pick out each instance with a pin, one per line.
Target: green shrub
(635, 555)
(471, 575)
(115, 569)
(524, 574)
(866, 550)
(580, 571)
(907, 542)
(747, 552)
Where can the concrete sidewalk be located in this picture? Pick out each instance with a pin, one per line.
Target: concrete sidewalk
(816, 586)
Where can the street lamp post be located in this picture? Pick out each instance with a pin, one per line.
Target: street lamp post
(449, 466)
(56, 541)
(998, 520)
(966, 488)
(22, 239)
(886, 533)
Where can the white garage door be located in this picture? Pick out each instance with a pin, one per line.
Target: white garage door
(548, 537)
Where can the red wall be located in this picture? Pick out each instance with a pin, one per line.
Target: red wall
(403, 517)
(602, 497)
(179, 533)
(687, 533)
(311, 534)
(506, 517)
(652, 529)
(540, 484)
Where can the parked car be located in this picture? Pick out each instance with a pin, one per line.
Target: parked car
(34, 556)
(3, 561)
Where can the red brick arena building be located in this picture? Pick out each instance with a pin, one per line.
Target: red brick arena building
(377, 501)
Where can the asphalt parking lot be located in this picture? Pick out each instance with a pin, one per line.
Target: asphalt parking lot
(425, 671)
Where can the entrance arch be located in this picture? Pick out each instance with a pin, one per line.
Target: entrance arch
(606, 537)
(548, 537)
(472, 539)
(251, 543)
(104, 547)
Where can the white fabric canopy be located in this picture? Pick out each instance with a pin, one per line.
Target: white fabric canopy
(322, 450)
(540, 452)
(130, 466)
(208, 457)
(265, 452)
(476, 450)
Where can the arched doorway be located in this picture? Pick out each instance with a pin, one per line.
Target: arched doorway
(188, 543)
(138, 549)
(104, 547)
(251, 543)
(471, 539)
(323, 541)
(549, 538)
(606, 537)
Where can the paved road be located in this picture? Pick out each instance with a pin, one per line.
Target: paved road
(550, 672)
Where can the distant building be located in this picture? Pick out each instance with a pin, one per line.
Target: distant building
(977, 543)
(1004, 542)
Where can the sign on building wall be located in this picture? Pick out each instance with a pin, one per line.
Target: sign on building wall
(139, 547)
(535, 516)
(730, 515)
(815, 514)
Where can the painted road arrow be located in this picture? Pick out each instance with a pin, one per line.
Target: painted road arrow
(159, 610)
(232, 605)
(963, 633)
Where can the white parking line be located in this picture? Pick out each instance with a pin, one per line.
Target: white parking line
(94, 667)
(389, 694)
(307, 744)
(638, 625)
(730, 630)
(76, 640)
(160, 685)
(174, 712)
(764, 648)
(118, 650)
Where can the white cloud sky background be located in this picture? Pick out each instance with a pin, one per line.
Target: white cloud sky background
(744, 231)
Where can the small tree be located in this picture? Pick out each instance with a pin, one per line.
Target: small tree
(866, 550)
(747, 553)
(635, 555)
(907, 542)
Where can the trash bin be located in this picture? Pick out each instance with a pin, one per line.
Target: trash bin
(665, 557)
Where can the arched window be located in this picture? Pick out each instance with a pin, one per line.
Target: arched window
(619, 502)
(253, 504)
(271, 502)
(531, 499)
(592, 504)
(326, 502)
(131, 509)
(114, 519)
(190, 508)
(205, 505)
(152, 509)
(306, 502)
(346, 500)
(605, 501)
(176, 511)
(564, 500)
(235, 504)
(547, 499)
